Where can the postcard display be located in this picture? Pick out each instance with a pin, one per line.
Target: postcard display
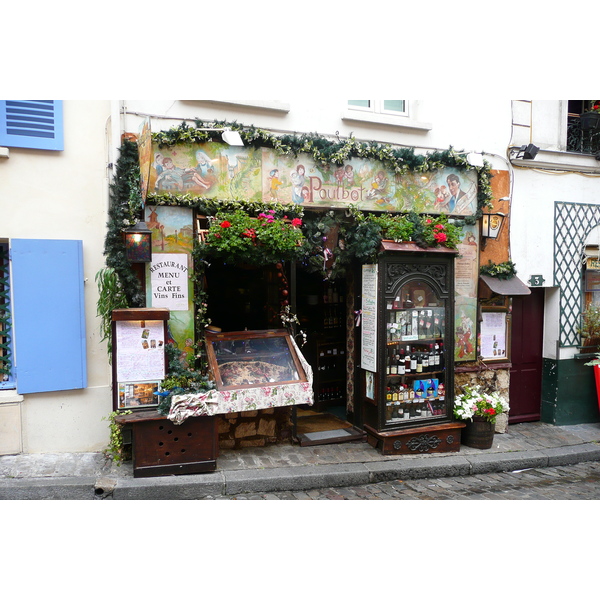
(407, 350)
(159, 446)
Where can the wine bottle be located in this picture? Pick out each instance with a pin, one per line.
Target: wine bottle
(393, 363)
(419, 362)
(413, 361)
(436, 356)
(401, 363)
(407, 362)
(422, 326)
(425, 359)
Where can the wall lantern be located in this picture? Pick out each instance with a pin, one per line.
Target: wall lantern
(491, 224)
(138, 243)
(528, 152)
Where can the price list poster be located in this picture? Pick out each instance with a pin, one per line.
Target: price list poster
(140, 351)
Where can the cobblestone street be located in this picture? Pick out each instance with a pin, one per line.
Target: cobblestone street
(573, 482)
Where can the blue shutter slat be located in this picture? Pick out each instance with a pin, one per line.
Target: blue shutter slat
(48, 315)
(31, 124)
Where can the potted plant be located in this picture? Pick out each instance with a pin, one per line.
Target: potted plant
(590, 119)
(479, 410)
(590, 327)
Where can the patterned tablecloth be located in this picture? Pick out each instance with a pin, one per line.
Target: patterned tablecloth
(219, 402)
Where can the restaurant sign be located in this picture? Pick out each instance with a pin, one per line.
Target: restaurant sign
(216, 170)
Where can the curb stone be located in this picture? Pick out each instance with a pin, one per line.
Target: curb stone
(293, 479)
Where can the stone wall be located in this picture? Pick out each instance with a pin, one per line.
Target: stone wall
(255, 428)
(491, 379)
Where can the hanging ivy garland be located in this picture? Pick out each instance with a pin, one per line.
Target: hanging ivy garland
(358, 237)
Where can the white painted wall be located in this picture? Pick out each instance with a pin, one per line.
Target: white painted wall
(63, 195)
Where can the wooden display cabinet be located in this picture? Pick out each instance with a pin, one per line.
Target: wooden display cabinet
(408, 350)
(247, 359)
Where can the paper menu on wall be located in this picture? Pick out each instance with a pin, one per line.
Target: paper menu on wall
(493, 335)
(140, 350)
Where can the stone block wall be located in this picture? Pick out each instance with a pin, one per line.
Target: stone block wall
(492, 379)
(255, 428)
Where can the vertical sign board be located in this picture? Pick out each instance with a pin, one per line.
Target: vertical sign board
(49, 315)
(368, 350)
(139, 362)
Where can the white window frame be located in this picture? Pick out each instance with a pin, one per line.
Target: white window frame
(377, 107)
(408, 120)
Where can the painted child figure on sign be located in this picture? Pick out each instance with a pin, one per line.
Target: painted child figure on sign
(297, 178)
(274, 184)
(171, 177)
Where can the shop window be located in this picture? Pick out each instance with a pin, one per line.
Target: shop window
(47, 313)
(36, 124)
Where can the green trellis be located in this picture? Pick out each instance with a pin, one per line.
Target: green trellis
(572, 224)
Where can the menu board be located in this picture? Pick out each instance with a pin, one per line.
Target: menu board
(368, 350)
(493, 338)
(140, 354)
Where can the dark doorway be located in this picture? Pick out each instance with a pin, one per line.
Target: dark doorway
(526, 357)
(242, 298)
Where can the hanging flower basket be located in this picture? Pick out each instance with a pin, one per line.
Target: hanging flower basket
(589, 121)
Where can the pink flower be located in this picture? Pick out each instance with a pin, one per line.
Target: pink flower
(440, 238)
(296, 222)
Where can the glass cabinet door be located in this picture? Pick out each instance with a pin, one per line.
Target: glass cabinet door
(415, 385)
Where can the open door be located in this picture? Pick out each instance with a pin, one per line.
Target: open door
(321, 309)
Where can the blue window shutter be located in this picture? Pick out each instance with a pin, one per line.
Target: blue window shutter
(48, 315)
(31, 124)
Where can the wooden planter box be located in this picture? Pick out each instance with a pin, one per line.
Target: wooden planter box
(417, 440)
(162, 448)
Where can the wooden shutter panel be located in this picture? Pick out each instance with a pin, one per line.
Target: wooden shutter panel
(31, 124)
(48, 315)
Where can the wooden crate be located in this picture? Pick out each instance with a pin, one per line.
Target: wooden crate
(162, 448)
(417, 440)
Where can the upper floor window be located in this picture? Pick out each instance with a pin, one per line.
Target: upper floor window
(581, 139)
(384, 107)
(34, 124)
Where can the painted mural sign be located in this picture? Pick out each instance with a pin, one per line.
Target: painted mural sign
(465, 299)
(168, 282)
(216, 170)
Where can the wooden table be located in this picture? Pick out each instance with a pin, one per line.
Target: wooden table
(162, 448)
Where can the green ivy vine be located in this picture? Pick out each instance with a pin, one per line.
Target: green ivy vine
(505, 270)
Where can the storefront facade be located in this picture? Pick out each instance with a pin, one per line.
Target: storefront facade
(195, 183)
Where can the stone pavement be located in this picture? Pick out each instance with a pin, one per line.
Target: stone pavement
(287, 467)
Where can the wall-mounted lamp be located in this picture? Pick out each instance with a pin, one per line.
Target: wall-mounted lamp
(528, 152)
(138, 243)
(233, 138)
(491, 224)
(475, 159)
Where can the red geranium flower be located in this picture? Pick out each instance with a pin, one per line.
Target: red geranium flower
(296, 222)
(225, 224)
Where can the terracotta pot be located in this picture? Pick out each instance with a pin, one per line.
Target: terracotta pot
(478, 433)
